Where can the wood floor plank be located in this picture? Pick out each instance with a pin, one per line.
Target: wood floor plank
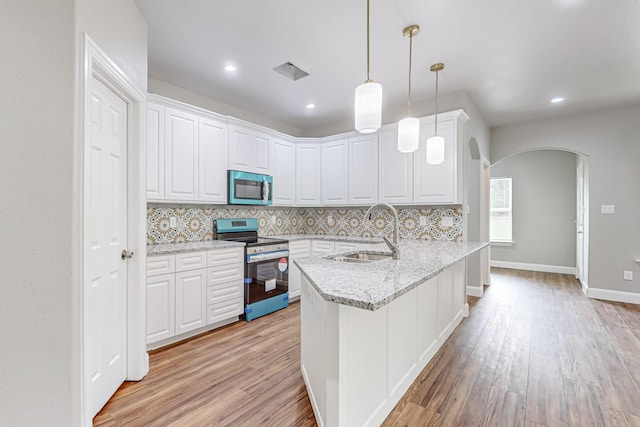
(534, 351)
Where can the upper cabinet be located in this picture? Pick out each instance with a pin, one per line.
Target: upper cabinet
(248, 150)
(155, 151)
(440, 184)
(212, 155)
(186, 154)
(181, 155)
(308, 172)
(283, 160)
(363, 169)
(335, 172)
(395, 181)
(189, 151)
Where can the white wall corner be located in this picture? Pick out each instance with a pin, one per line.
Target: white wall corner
(475, 291)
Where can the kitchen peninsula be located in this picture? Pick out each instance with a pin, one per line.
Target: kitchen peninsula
(368, 329)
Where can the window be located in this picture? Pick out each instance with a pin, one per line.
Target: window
(501, 210)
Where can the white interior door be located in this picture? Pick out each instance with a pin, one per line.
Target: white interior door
(580, 207)
(485, 254)
(105, 239)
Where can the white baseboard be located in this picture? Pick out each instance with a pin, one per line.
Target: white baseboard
(475, 291)
(534, 267)
(609, 295)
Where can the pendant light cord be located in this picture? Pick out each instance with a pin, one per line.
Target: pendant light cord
(436, 119)
(410, 51)
(368, 79)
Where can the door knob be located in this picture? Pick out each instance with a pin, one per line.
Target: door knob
(126, 254)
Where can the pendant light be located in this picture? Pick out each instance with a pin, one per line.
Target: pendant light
(409, 128)
(368, 104)
(435, 144)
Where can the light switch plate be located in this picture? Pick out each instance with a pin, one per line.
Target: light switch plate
(628, 275)
(607, 209)
(446, 221)
(423, 220)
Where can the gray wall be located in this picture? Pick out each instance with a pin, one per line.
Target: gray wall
(544, 208)
(39, 206)
(611, 139)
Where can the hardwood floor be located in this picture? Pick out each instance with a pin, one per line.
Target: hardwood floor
(533, 352)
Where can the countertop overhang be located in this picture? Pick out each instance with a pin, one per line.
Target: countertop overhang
(372, 285)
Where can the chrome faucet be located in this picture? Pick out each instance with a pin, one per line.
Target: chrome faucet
(395, 252)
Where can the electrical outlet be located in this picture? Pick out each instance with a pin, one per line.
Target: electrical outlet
(607, 209)
(628, 275)
(446, 221)
(173, 222)
(273, 219)
(423, 220)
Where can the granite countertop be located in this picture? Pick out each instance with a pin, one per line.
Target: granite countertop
(373, 285)
(174, 248)
(329, 237)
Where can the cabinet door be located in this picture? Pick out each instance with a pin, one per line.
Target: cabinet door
(363, 170)
(436, 183)
(181, 155)
(283, 157)
(395, 181)
(160, 307)
(155, 152)
(212, 154)
(240, 149)
(308, 174)
(335, 173)
(262, 158)
(319, 247)
(190, 300)
(342, 247)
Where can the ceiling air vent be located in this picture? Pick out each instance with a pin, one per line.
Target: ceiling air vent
(290, 71)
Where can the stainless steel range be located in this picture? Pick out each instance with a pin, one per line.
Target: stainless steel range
(266, 267)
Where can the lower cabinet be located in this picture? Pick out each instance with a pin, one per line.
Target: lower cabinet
(191, 291)
(297, 249)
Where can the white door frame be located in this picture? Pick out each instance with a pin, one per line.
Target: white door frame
(95, 63)
(584, 276)
(485, 254)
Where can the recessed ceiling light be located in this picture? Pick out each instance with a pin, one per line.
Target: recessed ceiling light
(311, 106)
(557, 99)
(230, 68)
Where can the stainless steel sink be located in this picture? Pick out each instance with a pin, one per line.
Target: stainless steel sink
(361, 257)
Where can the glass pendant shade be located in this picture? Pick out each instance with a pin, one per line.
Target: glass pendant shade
(408, 135)
(368, 108)
(435, 150)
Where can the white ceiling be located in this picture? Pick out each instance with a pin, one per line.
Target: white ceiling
(510, 56)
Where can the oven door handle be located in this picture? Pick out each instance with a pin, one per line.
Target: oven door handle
(269, 256)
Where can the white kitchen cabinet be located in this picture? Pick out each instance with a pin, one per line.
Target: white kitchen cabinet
(160, 307)
(308, 174)
(335, 172)
(283, 156)
(190, 300)
(248, 150)
(440, 184)
(297, 249)
(363, 170)
(225, 284)
(155, 151)
(319, 247)
(181, 155)
(395, 170)
(212, 160)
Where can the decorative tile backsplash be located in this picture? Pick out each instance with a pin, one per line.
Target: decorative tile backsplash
(195, 223)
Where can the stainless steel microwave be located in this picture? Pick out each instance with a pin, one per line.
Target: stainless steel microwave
(246, 188)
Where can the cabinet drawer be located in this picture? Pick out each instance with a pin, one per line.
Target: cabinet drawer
(223, 311)
(348, 247)
(225, 292)
(322, 247)
(218, 275)
(160, 264)
(191, 261)
(225, 257)
(299, 246)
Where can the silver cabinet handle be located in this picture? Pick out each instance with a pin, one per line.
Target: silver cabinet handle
(126, 254)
